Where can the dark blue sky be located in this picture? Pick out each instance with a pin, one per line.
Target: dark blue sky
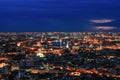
(57, 15)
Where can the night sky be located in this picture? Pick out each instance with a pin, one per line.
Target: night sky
(59, 15)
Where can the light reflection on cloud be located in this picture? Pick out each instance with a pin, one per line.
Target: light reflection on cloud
(102, 20)
(104, 28)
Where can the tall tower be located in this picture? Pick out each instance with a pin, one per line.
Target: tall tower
(67, 46)
(42, 36)
(60, 40)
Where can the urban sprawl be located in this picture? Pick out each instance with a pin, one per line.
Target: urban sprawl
(60, 56)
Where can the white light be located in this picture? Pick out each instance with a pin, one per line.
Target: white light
(40, 55)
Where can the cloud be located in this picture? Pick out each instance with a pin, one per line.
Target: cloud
(104, 28)
(102, 20)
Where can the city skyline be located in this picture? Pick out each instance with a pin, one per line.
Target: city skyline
(60, 55)
(59, 40)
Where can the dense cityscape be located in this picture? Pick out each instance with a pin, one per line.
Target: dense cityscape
(60, 56)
